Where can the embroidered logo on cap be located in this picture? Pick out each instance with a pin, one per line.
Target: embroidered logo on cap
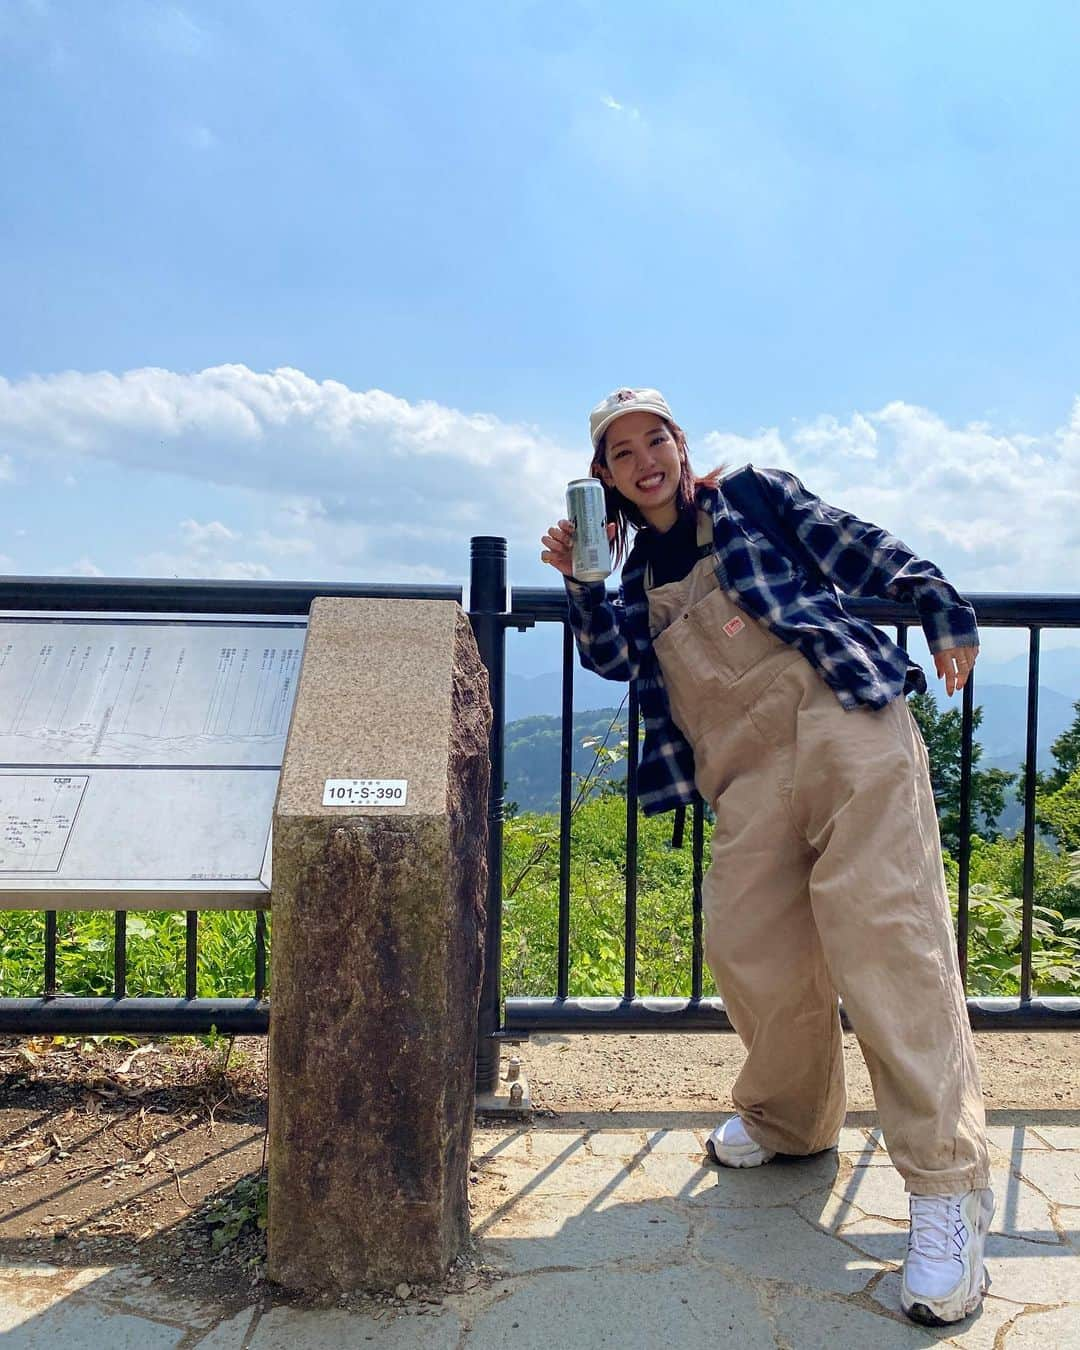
(734, 626)
(625, 396)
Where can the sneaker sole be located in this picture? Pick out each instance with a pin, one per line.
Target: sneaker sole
(929, 1316)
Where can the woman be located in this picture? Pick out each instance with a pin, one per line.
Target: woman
(788, 716)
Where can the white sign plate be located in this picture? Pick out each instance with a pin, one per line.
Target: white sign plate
(141, 754)
(365, 792)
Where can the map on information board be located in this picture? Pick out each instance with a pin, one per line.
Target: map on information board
(140, 757)
(36, 816)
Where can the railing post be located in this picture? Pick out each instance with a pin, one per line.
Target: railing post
(1030, 787)
(487, 604)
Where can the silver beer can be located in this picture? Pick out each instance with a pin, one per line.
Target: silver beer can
(585, 507)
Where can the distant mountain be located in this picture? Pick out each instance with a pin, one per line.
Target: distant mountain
(1003, 733)
(533, 745)
(533, 754)
(1058, 668)
(1059, 673)
(541, 695)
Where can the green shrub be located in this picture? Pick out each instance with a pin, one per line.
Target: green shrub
(994, 939)
(598, 890)
(665, 926)
(156, 947)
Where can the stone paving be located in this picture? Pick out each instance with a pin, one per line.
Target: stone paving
(622, 1237)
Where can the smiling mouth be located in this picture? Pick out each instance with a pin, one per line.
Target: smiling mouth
(647, 484)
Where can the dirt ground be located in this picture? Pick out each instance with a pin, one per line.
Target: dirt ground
(656, 1073)
(127, 1153)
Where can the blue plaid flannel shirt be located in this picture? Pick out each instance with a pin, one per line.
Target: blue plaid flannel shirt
(859, 662)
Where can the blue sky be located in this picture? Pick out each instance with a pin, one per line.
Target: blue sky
(322, 290)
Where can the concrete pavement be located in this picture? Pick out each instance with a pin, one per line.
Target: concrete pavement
(611, 1234)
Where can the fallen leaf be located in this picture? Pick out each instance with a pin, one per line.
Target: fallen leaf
(142, 1050)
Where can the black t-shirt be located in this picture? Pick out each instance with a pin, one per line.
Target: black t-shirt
(671, 553)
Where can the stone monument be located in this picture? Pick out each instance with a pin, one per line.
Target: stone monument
(378, 885)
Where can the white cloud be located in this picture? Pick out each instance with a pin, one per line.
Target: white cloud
(205, 551)
(337, 458)
(283, 547)
(726, 447)
(7, 469)
(83, 568)
(998, 511)
(615, 106)
(188, 566)
(368, 485)
(203, 538)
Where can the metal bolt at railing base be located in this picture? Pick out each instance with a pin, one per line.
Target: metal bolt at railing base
(513, 1069)
(517, 1094)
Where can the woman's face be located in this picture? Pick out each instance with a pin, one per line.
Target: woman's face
(642, 461)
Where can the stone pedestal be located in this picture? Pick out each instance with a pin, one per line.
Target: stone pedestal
(377, 949)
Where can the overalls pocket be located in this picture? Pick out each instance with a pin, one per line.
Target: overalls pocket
(729, 642)
(705, 650)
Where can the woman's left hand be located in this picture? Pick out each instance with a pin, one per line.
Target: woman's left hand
(954, 666)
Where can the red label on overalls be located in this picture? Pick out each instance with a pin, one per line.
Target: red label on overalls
(734, 626)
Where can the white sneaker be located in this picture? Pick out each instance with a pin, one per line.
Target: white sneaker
(731, 1146)
(944, 1276)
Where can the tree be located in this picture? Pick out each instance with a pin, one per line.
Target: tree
(1066, 752)
(1058, 813)
(942, 732)
(1057, 793)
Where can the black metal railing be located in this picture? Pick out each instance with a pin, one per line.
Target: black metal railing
(493, 610)
(625, 1010)
(55, 1012)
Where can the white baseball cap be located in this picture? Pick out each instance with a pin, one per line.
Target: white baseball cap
(624, 401)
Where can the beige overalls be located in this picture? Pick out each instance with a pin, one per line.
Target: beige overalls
(826, 876)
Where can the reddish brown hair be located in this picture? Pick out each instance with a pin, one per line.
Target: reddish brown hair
(624, 513)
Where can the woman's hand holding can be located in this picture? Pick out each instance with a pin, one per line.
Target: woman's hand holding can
(558, 548)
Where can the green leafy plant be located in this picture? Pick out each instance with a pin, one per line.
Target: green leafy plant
(598, 892)
(995, 923)
(241, 1209)
(156, 947)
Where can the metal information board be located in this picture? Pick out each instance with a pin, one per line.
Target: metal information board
(139, 758)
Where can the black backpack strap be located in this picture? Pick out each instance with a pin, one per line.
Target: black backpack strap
(678, 825)
(743, 489)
